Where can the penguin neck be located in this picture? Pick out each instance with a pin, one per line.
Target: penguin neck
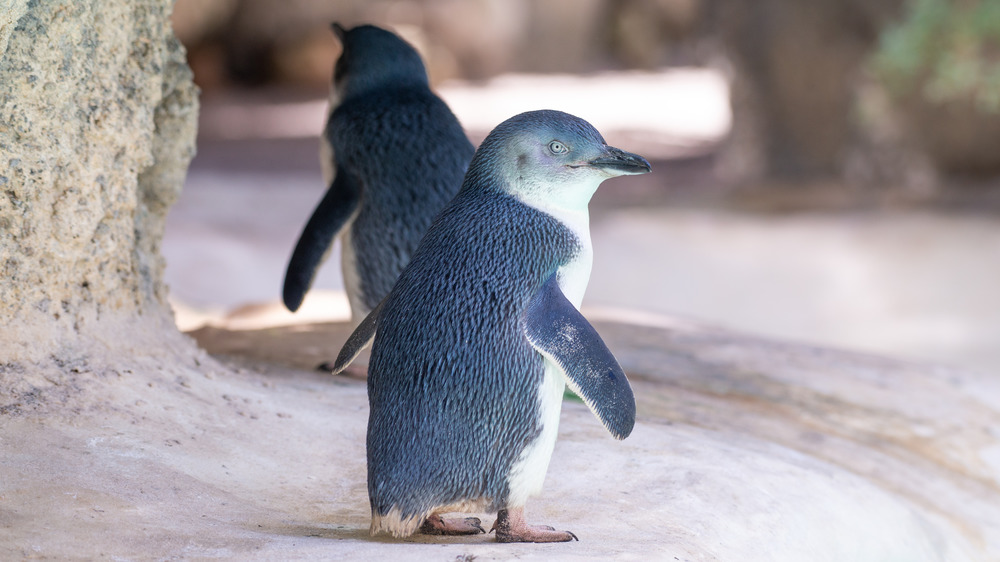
(570, 204)
(573, 212)
(372, 82)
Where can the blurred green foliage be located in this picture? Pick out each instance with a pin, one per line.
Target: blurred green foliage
(946, 51)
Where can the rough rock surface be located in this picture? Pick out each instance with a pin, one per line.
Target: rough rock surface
(745, 449)
(97, 126)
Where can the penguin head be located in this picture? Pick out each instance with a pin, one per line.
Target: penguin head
(549, 158)
(372, 58)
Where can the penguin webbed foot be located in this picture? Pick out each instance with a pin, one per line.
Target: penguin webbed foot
(437, 525)
(511, 526)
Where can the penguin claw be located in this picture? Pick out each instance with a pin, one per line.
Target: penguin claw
(537, 533)
(543, 527)
(511, 526)
(437, 525)
(354, 372)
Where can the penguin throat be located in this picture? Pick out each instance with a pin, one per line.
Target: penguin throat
(559, 199)
(573, 213)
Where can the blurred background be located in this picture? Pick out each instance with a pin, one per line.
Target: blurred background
(824, 171)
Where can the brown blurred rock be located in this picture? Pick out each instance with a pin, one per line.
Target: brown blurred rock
(645, 31)
(195, 20)
(263, 41)
(201, 25)
(795, 69)
(961, 139)
(476, 38)
(266, 41)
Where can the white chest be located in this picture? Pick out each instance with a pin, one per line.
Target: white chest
(527, 475)
(575, 275)
(568, 203)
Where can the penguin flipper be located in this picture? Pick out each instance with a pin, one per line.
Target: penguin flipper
(314, 243)
(360, 339)
(557, 330)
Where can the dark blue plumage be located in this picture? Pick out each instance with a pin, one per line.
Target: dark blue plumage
(398, 155)
(456, 409)
(466, 345)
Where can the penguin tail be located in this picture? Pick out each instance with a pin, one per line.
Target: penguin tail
(429, 521)
(395, 523)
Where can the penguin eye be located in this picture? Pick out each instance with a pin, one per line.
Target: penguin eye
(557, 147)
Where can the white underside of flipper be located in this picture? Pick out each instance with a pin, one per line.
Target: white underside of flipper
(528, 474)
(352, 281)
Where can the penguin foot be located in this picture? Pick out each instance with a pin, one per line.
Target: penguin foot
(437, 525)
(511, 526)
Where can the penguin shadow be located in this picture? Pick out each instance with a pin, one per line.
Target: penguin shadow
(352, 533)
(333, 531)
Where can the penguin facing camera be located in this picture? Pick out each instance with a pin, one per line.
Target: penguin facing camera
(478, 338)
(393, 154)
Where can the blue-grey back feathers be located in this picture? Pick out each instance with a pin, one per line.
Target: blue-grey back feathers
(452, 381)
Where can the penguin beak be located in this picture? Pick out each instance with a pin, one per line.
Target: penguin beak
(617, 162)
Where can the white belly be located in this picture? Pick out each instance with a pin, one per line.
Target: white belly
(528, 473)
(352, 281)
(574, 276)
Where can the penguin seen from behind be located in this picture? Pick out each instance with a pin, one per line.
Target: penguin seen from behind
(393, 154)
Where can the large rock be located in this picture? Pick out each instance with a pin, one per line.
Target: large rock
(745, 449)
(97, 126)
